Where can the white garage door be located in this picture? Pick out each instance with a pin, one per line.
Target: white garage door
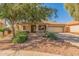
(74, 28)
(55, 29)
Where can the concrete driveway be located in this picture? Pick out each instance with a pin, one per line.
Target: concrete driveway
(68, 37)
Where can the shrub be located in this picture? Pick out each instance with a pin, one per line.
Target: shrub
(21, 37)
(51, 35)
(1, 30)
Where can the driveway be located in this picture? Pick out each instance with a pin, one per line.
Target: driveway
(68, 37)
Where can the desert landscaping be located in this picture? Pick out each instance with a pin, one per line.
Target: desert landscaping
(36, 45)
(37, 29)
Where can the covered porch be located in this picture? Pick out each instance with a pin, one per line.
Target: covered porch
(31, 28)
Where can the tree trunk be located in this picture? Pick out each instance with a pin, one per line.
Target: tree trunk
(13, 29)
(3, 33)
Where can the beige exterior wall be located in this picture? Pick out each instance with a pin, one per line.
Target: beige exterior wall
(20, 27)
(66, 29)
(52, 28)
(48, 28)
(74, 28)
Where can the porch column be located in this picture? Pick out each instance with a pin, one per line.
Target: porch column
(67, 29)
(46, 27)
(37, 27)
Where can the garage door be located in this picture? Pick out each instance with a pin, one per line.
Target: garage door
(55, 29)
(74, 28)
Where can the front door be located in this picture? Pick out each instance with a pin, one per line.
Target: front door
(33, 28)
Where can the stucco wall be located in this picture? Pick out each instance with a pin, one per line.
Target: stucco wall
(20, 27)
(74, 28)
(28, 27)
(48, 28)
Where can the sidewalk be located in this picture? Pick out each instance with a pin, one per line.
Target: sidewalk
(23, 53)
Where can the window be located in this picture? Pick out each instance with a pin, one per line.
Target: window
(42, 27)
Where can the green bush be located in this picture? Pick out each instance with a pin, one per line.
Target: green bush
(51, 35)
(21, 37)
(1, 30)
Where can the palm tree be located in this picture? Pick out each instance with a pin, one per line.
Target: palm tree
(33, 13)
(73, 9)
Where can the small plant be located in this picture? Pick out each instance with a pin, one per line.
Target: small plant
(21, 37)
(51, 35)
(1, 29)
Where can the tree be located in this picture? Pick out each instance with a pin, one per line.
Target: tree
(12, 12)
(32, 13)
(38, 12)
(73, 9)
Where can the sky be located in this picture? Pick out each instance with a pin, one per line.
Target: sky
(63, 16)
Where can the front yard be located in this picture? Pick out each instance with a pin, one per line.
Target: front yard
(37, 45)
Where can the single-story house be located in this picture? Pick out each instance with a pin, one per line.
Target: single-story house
(41, 27)
(71, 27)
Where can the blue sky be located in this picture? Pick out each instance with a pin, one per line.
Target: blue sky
(63, 16)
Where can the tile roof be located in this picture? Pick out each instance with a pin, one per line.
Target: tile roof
(53, 23)
(73, 23)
